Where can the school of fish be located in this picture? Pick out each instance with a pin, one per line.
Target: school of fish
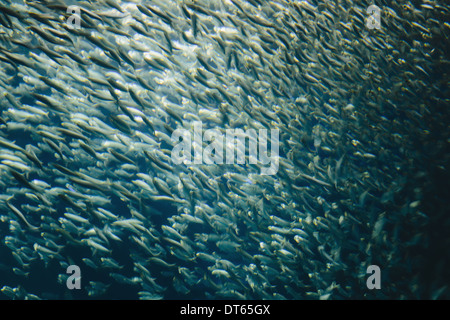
(87, 177)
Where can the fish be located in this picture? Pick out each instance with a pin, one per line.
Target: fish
(89, 117)
(21, 216)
